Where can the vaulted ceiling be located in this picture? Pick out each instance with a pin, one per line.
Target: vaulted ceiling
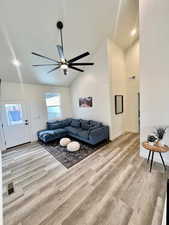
(27, 26)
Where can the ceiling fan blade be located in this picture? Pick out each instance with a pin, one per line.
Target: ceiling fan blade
(46, 64)
(60, 52)
(54, 69)
(79, 57)
(45, 57)
(75, 68)
(81, 64)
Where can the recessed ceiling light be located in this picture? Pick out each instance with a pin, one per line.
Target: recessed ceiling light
(16, 62)
(133, 32)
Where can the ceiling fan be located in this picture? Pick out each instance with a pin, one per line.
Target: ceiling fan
(63, 63)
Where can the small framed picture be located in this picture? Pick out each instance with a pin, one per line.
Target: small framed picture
(86, 102)
(118, 104)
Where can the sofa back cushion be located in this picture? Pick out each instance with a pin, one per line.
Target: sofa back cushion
(54, 125)
(75, 123)
(85, 124)
(58, 124)
(95, 123)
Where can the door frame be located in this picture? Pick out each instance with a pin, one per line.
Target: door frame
(2, 134)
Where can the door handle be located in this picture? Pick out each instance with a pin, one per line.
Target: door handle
(26, 122)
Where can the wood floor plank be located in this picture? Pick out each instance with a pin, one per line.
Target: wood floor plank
(112, 186)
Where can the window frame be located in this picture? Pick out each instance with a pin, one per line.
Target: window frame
(57, 105)
(11, 122)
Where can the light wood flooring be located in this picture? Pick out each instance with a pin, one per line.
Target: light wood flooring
(110, 187)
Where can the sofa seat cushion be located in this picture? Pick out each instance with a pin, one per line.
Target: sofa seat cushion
(84, 134)
(73, 130)
(51, 135)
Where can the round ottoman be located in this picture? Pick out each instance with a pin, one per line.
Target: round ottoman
(73, 146)
(64, 141)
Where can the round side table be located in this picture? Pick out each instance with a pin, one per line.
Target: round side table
(155, 148)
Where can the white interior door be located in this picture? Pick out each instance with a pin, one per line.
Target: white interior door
(15, 123)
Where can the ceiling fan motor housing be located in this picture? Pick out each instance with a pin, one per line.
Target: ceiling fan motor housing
(59, 25)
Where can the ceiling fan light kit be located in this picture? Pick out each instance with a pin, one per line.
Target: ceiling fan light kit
(63, 63)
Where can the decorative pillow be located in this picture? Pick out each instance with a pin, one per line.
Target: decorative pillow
(85, 124)
(75, 123)
(66, 122)
(95, 123)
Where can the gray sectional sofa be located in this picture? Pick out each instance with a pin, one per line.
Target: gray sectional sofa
(89, 131)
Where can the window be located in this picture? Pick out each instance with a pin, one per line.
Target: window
(53, 106)
(14, 114)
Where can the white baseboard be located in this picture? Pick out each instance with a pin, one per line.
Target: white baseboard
(114, 136)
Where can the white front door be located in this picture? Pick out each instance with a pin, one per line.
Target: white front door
(15, 123)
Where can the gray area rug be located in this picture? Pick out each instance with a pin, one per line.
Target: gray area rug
(69, 159)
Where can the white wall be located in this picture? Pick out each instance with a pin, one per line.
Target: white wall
(94, 82)
(132, 69)
(34, 97)
(107, 78)
(1, 207)
(1, 147)
(154, 67)
(118, 86)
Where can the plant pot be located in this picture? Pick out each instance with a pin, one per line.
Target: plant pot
(151, 143)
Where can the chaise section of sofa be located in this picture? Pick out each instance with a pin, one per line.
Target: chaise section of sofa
(89, 131)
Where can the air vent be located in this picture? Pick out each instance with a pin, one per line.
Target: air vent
(10, 188)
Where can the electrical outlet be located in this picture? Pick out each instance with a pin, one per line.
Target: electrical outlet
(10, 188)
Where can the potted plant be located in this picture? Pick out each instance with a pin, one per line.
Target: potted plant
(160, 131)
(151, 139)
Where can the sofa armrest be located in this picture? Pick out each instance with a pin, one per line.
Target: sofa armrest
(39, 131)
(93, 128)
(100, 132)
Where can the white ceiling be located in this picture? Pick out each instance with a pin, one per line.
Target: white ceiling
(28, 26)
(127, 19)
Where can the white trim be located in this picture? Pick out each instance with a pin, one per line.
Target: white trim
(1, 207)
(164, 213)
(2, 136)
(58, 117)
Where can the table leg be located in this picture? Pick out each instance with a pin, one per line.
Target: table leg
(151, 161)
(149, 156)
(162, 161)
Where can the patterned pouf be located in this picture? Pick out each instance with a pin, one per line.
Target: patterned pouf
(64, 141)
(73, 146)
